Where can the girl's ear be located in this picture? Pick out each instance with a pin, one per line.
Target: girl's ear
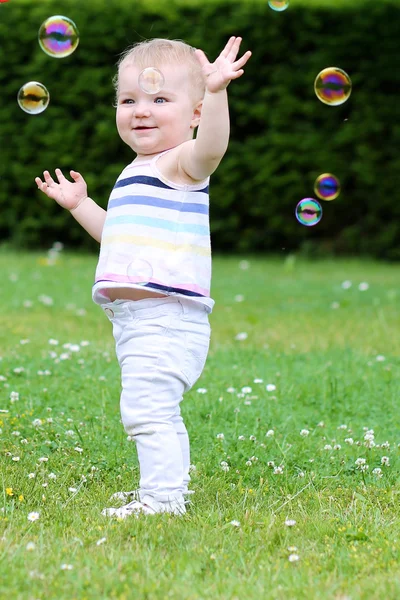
(196, 114)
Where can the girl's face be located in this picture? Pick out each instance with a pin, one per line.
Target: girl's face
(152, 123)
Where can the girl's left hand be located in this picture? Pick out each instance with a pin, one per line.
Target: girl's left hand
(225, 68)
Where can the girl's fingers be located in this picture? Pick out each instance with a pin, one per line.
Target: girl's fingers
(60, 175)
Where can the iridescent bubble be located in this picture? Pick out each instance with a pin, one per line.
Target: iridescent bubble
(58, 36)
(308, 212)
(33, 97)
(333, 86)
(327, 186)
(151, 80)
(140, 271)
(278, 5)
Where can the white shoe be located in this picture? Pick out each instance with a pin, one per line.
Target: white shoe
(134, 495)
(148, 506)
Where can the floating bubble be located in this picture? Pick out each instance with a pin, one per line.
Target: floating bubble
(308, 212)
(327, 186)
(151, 80)
(33, 97)
(58, 36)
(333, 86)
(278, 5)
(139, 271)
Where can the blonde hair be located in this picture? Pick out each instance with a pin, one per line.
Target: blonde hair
(158, 52)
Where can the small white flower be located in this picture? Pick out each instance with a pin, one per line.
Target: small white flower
(337, 447)
(78, 449)
(293, 557)
(37, 422)
(235, 523)
(244, 265)
(72, 490)
(239, 298)
(70, 432)
(225, 468)
(252, 438)
(377, 472)
(241, 438)
(278, 470)
(30, 546)
(201, 391)
(271, 463)
(301, 474)
(321, 424)
(32, 475)
(231, 390)
(363, 286)
(84, 343)
(16, 433)
(380, 358)
(349, 441)
(18, 370)
(16, 458)
(43, 459)
(364, 467)
(53, 342)
(52, 476)
(335, 305)
(327, 447)
(101, 541)
(220, 436)
(14, 396)
(258, 381)
(385, 461)
(246, 390)
(65, 567)
(360, 461)
(240, 337)
(290, 522)
(346, 285)
(342, 427)
(24, 441)
(270, 433)
(33, 516)
(304, 432)
(270, 387)
(192, 468)
(249, 463)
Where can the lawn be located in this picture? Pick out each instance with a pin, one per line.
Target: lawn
(294, 428)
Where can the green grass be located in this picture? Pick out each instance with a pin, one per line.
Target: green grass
(315, 341)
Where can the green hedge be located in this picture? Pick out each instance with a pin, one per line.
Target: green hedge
(282, 137)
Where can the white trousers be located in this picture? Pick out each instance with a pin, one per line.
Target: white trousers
(161, 346)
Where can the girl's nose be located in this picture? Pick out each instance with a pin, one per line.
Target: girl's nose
(142, 109)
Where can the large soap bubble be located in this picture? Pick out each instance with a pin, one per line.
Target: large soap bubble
(308, 212)
(333, 86)
(33, 97)
(58, 36)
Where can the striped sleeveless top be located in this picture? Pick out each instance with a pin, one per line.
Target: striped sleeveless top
(156, 236)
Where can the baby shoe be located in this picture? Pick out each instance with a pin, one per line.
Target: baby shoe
(147, 506)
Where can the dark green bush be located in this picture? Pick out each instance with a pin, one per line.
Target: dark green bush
(282, 137)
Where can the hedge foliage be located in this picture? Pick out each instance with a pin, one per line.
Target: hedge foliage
(282, 137)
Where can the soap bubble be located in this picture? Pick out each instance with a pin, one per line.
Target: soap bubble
(151, 80)
(308, 212)
(327, 186)
(58, 36)
(278, 5)
(333, 86)
(140, 271)
(33, 97)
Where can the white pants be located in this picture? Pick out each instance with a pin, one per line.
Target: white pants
(161, 346)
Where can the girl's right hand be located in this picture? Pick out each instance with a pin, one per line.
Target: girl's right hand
(67, 194)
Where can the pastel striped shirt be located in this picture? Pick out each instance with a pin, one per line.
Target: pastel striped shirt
(156, 236)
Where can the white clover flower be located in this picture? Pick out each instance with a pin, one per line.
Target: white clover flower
(290, 522)
(360, 461)
(231, 390)
(380, 358)
(220, 436)
(78, 449)
(225, 468)
(239, 298)
(244, 265)
(385, 461)
(258, 381)
(321, 424)
(252, 438)
(14, 396)
(349, 441)
(72, 490)
(46, 300)
(241, 437)
(16, 458)
(246, 389)
(335, 305)
(31, 475)
(364, 468)
(43, 459)
(278, 470)
(346, 284)
(377, 472)
(301, 474)
(327, 447)
(271, 463)
(270, 433)
(304, 432)
(84, 343)
(16, 433)
(53, 342)
(249, 463)
(24, 441)
(101, 541)
(18, 370)
(363, 286)
(27, 304)
(192, 468)
(342, 427)
(52, 476)
(70, 432)
(65, 567)
(33, 516)
(293, 557)
(201, 390)
(240, 337)
(270, 387)
(385, 445)
(235, 523)
(30, 546)
(337, 447)
(369, 443)
(37, 422)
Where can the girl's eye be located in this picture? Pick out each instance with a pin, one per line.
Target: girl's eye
(127, 101)
(162, 100)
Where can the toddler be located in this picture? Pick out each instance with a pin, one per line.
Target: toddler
(154, 271)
